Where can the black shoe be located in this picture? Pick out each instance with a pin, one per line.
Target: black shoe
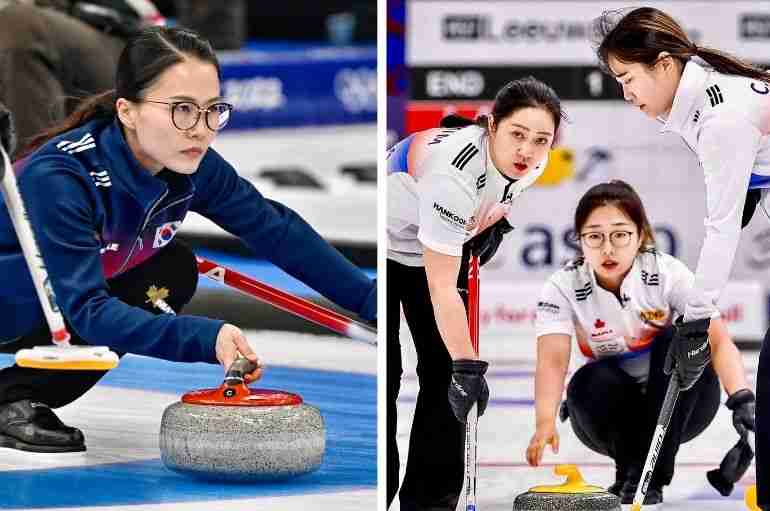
(653, 496)
(32, 426)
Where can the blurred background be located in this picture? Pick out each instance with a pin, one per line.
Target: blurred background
(302, 78)
(448, 56)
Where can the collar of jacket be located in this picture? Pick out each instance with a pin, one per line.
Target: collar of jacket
(689, 97)
(138, 180)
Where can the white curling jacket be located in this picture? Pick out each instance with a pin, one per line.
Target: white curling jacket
(622, 326)
(725, 120)
(443, 189)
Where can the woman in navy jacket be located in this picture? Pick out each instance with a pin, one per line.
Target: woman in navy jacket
(106, 191)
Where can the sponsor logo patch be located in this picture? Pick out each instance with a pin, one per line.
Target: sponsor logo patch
(551, 308)
(601, 332)
(606, 348)
(449, 215)
(652, 315)
(157, 297)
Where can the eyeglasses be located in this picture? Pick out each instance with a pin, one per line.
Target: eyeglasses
(618, 239)
(186, 114)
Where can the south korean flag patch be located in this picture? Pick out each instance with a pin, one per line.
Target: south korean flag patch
(165, 233)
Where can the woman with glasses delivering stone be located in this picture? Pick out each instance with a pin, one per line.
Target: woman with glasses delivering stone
(106, 191)
(619, 299)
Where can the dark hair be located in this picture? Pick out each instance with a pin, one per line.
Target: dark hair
(640, 35)
(621, 195)
(146, 56)
(528, 92)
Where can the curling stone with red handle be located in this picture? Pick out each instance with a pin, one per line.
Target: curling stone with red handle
(241, 434)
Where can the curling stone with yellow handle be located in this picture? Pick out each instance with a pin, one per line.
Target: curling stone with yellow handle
(572, 495)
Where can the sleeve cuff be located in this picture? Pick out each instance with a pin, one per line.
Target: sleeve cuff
(563, 328)
(442, 248)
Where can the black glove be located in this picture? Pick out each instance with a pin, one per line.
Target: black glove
(741, 402)
(467, 387)
(486, 243)
(732, 468)
(753, 197)
(7, 131)
(737, 459)
(689, 352)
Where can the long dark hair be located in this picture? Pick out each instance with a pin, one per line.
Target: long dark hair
(640, 35)
(146, 56)
(621, 195)
(527, 92)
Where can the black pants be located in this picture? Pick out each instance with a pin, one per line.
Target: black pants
(612, 416)
(434, 467)
(762, 437)
(173, 268)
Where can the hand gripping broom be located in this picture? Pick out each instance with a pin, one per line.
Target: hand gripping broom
(61, 355)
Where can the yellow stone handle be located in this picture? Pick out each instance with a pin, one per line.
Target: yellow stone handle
(574, 478)
(573, 484)
(751, 498)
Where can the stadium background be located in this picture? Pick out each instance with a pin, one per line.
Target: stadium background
(303, 83)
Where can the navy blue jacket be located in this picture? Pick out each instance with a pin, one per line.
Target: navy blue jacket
(96, 212)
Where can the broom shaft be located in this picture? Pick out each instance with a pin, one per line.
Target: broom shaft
(669, 402)
(32, 256)
(471, 423)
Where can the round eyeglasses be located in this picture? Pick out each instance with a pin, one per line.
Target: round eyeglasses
(186, 114)
(618, 239)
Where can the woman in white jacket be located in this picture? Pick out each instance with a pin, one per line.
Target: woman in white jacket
(619, 300)
(720, 107)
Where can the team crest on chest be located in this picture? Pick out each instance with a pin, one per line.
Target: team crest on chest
(601, 331)
(652, 315)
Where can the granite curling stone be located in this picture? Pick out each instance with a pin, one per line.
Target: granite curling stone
(234, 433)
(573, 495)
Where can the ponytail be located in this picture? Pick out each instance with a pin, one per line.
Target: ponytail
(727, 64)
(99, 106)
